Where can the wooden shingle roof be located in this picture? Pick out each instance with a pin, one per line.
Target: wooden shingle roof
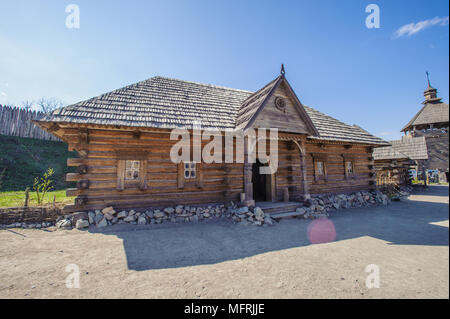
(430, 113)
(333, 130)
(157, 102)
(414, 148)
(387, 153)
(169, 103)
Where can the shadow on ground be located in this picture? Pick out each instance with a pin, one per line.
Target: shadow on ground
(174, 245)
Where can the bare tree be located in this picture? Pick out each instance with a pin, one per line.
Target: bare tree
(47, 105)
(28, 105)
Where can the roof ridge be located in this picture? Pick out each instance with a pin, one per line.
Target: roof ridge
(151, 78)
(198, 83)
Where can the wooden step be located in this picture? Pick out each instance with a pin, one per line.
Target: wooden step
(285, 215)
(281, 208)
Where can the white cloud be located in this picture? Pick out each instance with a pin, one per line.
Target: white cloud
(413, 28)
(3, 94)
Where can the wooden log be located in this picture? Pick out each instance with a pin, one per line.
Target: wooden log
(81, 200)
(83, 184)
(82, 169)
(200, 178)
(143, 175)
(74, 161)
(180, 175)
(72, 192)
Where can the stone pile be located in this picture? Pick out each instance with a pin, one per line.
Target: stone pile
(109, 216)
(321, 205)
(29, 225)
(250, 216)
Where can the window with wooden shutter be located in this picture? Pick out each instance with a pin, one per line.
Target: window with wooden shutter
(188, 172)
(349, 166)
(320, 166)
(131, 169)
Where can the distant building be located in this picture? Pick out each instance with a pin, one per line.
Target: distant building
(393, 163)
(424, 148)
(432, 122)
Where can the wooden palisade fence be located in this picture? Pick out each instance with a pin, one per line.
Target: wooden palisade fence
(15, 121)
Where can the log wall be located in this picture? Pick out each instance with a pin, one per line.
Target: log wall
(289, 174)
(364, 177)
(97, 175)
(394, 172)
(221, 182)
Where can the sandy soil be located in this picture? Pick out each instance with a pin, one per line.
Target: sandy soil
(408, 241)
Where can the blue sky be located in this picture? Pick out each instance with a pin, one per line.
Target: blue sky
(369, 77)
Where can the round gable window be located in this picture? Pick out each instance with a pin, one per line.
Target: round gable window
(280, 103)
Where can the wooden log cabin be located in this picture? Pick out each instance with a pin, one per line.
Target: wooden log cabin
(393, 163)
(123, 141)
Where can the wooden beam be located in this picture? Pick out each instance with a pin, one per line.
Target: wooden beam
(180, 175)
(82, 169)
(83, 184)
(120, 174)
(143, 174)
(73, 177)
(74, 161)
(72, 192)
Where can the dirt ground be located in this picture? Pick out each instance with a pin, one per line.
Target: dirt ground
(407, 241)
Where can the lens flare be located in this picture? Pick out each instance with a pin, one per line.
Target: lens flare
(321, 231)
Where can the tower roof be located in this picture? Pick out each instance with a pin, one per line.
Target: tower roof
(434, 110)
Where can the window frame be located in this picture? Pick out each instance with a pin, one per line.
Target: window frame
(132, 170)
(320, 172)
(349, 159)
(190, 169)
(122, 158)
(182, 179)
(323, 158)
(349, 168)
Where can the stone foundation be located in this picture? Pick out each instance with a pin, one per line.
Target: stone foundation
(323, 205)
(315, 207)
(178, 214)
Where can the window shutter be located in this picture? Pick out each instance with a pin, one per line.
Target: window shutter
(180, 175)
(143, 174)
(316, 176)
(199, 181)
(120, 174)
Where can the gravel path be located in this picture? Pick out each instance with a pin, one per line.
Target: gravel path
(407, 240)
